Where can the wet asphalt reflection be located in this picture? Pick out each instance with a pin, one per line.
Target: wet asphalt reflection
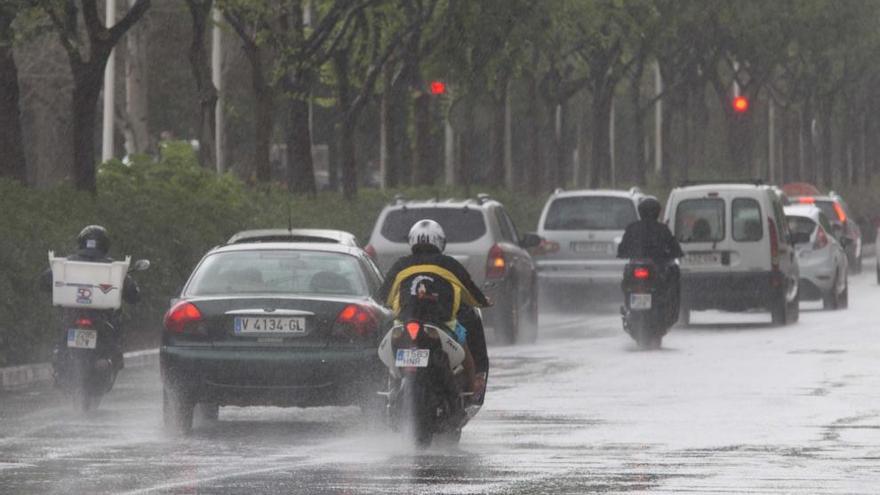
(730, 405)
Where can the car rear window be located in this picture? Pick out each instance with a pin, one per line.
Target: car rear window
(288, 272)
(700, 220)
(746, 219)
(459, 224)
(801, 225)
(590, 213)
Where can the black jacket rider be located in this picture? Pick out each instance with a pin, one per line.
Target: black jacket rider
(647, 238)
(441, 296)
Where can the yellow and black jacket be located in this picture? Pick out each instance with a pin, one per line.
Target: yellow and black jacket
(430, 286)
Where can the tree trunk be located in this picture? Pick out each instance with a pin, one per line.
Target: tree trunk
(535, 163)
(560, 157)
(264, 122)
(207, 93)
(300, 166)
(87, 82)
(422, 173)
(808, 150)
(639, 163)
(399, 171)
(12, 159)
(826, 106)
(497, 175)
(346, 125)
(137, 136)
(601, 152)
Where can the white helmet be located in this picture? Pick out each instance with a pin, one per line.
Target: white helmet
(427, 232)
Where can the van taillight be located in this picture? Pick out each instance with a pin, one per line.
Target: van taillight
(774, 244)
(496, 265)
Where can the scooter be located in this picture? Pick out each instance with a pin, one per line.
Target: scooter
(646, 309)
(87, 359)
(426, 377)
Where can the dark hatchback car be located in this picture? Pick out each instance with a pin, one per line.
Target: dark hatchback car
(285, 324)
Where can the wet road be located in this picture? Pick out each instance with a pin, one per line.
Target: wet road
(731, 405)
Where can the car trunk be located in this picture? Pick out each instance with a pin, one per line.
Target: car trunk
(274, 321)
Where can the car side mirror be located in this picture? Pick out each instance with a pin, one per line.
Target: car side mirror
(530, 241)
(140, 265)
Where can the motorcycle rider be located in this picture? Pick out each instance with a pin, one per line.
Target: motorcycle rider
(429, 274)
(651, 239)
(93, 244)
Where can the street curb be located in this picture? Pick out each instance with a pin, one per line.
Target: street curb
(18, 377)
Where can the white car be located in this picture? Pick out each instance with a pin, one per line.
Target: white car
(821, 257)
(737, 250)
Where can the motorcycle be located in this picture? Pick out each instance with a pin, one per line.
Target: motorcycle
(86, 361)
(646, 312)
(425, 379)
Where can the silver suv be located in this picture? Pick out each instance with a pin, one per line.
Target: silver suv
(480, 235)
(581, 231)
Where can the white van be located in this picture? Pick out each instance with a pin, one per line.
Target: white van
(738, 254)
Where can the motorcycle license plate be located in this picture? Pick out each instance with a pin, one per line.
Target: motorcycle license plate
(412, 358)
(79, 338)
(640, 301)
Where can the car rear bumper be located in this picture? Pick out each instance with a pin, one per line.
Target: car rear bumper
(730, 291)
(282, 377)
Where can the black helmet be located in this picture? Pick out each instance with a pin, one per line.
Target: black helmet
(94, 237)
(649, 208)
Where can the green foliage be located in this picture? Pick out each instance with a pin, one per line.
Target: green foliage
(169, 211)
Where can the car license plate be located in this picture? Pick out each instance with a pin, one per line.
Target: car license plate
(275, 326)
(640, 301)
(702, 259)
(415, 358)
(591, 247)
(79, 338)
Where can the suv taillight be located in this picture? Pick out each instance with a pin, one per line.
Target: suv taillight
(496, 265)
(181, 316)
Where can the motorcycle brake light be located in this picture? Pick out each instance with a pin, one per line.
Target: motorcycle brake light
(83, 323)
(641, 273)
(413, 328)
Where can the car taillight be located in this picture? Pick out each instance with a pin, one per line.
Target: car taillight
(371, 251)
(496, 265)
(774, 244)
(841, 215)
(641, 273)
(181, 315)
(356, 320)
(84, 323)
(821, 239)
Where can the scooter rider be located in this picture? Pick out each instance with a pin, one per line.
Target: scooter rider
(428, 273)
(651, 239)
(93, 244)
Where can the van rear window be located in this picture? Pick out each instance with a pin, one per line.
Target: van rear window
(590, 213)
(700, 220)
(459, 224)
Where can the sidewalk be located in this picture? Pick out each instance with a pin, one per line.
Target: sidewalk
(18, 377)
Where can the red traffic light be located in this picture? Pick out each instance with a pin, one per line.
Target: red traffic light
(740, 104)
(437, 88)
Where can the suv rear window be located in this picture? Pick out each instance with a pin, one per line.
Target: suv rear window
(700, 220)
(459, 224)
(590, 213)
